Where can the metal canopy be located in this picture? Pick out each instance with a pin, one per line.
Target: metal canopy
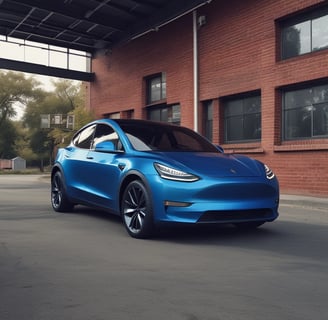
(87, 25)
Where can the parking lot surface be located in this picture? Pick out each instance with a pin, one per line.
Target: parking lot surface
(83, 265)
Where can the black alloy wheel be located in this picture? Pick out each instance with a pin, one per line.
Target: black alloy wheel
(59, 200)
(136, 210)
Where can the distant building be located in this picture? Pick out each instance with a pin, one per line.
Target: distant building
(17, 163)
(250, 75)
(5, 164)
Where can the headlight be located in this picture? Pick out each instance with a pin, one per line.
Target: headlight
(269, 173)
(173, 174)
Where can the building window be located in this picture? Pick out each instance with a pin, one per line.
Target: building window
(165, 113)
(242, 119)
(114, 115)
(156, 88)
(208, 120)
(304, 34)
(305, 113)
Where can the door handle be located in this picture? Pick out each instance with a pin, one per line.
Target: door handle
(89, 157)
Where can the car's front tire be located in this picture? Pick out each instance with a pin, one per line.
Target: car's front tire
(59, 200)
(136, 210)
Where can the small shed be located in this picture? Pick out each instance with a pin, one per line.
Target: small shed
(18, 163)
(5, 164)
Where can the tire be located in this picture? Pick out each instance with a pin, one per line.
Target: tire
(59, 200)
(136, 210)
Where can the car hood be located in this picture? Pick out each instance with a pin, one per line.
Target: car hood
(216, 164)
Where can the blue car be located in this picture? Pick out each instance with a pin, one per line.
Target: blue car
(151, 173)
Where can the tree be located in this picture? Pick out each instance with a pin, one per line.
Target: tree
(22, 143)
(15, 89)
(81, 116)
(7, 140)
(67, 98)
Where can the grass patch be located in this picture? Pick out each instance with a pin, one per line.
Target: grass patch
(26, 171)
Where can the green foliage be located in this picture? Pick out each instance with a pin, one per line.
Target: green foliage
(15, 88)
(7, 140)
(67, 98)
(60, 137)
(26, 138)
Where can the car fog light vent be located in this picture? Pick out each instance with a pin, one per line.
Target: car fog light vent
(168, 203)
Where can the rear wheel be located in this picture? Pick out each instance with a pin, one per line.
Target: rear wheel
(136, 210)
(59, 200)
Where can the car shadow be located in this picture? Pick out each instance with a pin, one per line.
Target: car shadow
(210, 233)
(279, 237)
(98, 213)
(184, 233)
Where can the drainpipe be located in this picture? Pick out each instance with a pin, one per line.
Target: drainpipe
(195, 69)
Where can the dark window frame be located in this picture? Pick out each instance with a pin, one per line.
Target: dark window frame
(305, 17)
(208, 119)
(151, 96)
(245, 138)
(307, 117)
(165, 113)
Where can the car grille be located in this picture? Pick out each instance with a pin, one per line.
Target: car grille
(236, 215)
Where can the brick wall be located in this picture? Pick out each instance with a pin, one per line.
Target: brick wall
(237, 53)
(120, 74)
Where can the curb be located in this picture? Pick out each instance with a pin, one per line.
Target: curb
(304, 201)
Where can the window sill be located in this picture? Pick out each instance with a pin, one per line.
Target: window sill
(301, 146)
(156, 103)
(250, 148)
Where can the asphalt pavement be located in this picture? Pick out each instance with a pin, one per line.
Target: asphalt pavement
(83, 265)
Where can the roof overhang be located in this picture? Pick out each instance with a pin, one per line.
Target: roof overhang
(88, 25)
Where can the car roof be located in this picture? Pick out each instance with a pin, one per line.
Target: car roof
(143, 122)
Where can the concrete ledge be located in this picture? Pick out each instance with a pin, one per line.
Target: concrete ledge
(304, 201)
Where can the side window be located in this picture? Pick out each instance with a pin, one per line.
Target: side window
(305, 113)
(84, 138)
(208, 119)
(106, 133)
(156, 88)
(304, 33)
(165, 113)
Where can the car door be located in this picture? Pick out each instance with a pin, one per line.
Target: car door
(104, 168)
(75, 168)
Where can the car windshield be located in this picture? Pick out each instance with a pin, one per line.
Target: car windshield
(160, 137)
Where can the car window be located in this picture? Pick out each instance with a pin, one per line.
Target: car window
(186, 142)
(84, 138)
(105, 132)
(165, 138)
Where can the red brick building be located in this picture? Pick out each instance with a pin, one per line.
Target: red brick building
(261, 82)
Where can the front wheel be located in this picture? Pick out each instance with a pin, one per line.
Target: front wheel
(136, 210)
(59, 200)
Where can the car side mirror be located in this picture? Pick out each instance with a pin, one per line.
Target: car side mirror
(105, 146)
